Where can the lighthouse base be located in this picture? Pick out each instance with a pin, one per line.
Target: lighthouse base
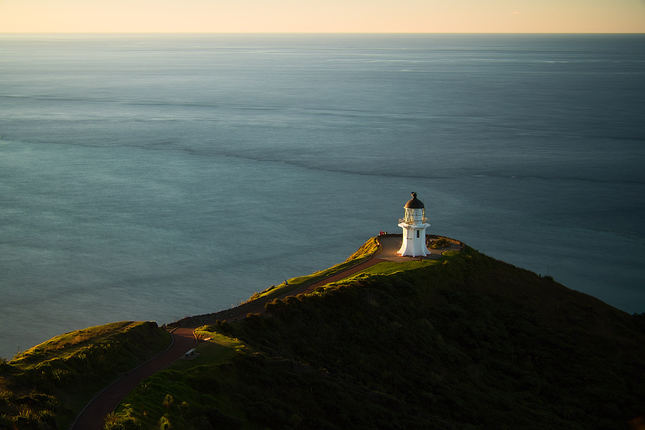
(414, 240)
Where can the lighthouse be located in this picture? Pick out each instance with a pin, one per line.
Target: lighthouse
(414, 229)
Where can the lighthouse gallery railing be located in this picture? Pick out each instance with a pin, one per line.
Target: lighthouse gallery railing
(413, 220)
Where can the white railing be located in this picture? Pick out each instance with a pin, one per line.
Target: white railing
(413, 220)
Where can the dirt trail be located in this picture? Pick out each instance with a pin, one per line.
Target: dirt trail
(93, 416)
(344, 274)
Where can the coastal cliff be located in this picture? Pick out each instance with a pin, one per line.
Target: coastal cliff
(462, 341)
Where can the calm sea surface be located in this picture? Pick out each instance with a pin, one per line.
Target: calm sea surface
(153, 177)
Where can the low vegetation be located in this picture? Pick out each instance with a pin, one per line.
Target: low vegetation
(47, 385)
(391, 267)
(363, 253)
(439, 243)
(467, 342)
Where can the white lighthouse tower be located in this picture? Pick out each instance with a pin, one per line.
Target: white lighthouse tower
(414, 229)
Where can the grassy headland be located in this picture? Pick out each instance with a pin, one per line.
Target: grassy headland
(47, 385)
(464, 342)
(363, 253)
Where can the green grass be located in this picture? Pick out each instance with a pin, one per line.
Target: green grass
(384, 268)
(440, 243)
(68, 345)
(369, 248)
(214, 348)
(167, 397)
(390, 267)
(362, 254)
(300, 281)
(45, 386)
(464, 342)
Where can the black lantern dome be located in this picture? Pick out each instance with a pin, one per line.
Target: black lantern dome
(414, 203)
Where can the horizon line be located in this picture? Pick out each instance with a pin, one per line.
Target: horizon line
(304, 33)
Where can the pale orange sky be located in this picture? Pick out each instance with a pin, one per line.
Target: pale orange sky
(322, 16)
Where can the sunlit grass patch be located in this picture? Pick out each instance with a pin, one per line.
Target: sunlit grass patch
(384, 268)
(170, 397)
(56, 378)
(406, 343)
(390, 267)
(71, 344)
(364, 253)
(366, 250)
(214, 348)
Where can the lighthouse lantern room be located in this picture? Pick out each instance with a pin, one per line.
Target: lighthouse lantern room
(414, 227)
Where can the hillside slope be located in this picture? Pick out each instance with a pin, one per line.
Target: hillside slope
(468, 342)
(47, 385)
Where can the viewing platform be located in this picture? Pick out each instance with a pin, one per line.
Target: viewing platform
(390, 243)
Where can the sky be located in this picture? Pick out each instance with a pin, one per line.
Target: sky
(322, 16)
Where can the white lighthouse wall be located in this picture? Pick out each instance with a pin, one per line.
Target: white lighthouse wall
(411, 245)
(404, 242)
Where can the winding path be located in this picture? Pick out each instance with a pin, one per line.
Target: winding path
(92, 417)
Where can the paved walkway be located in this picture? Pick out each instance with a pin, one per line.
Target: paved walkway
(93, 415)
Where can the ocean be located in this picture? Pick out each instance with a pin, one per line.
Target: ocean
(158, 176)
